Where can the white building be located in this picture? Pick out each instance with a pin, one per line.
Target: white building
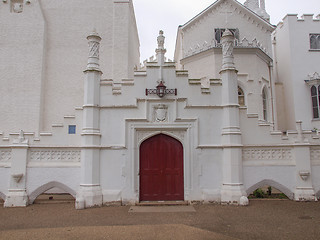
(207, 127)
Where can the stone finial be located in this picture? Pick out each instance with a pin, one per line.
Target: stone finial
(259, 7)
(227, 50)
(94, 47)
(161, 51)
(161, 39)
(21, 139)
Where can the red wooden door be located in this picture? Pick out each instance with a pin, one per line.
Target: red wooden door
(161, 169)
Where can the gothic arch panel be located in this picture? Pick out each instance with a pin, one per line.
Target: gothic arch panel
(271, 183)
(48, 186)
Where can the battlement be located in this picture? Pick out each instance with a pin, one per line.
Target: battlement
(303, 18)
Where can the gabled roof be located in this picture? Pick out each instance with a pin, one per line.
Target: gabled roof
(267, 24)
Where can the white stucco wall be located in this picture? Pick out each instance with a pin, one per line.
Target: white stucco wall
(294, 63)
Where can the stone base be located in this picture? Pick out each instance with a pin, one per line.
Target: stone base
(232, 194)
(16, 198)
(89, 196)
(304, 194)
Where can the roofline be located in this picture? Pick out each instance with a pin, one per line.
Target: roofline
(215, 3)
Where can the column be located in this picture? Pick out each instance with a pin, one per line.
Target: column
(90, 193)
(232, 190)
(17, 196)
(304, 190)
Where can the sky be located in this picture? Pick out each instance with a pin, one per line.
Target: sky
(167, 15)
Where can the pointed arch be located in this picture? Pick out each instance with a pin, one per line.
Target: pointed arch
(2, 196)
(161, 171)
(169, 134)
(241, 97)
(48, 186)
(271, 183)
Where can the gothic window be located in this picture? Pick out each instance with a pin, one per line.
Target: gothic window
(219, 32)
(315, 41)
(241, 97)
(265, 104)
(315, 96)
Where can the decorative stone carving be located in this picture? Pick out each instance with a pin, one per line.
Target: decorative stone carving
(17, 177)
(5, 155)
(227, 49)
(161, 113)
(160, 40)
(94, 46)
(94, 49)
(244, 43)
(277, 154)
(304, 175)
(17, 6)
(313, 79)
(21, 139)
(55, 156)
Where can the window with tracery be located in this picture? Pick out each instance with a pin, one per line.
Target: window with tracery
(315, 96)
(265, 104)
(241, 97)
(315, 41)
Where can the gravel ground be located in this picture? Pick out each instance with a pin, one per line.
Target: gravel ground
(268, 219)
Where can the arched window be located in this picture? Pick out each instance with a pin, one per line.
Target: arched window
(265, 104)
(315, 96)
(241, 97)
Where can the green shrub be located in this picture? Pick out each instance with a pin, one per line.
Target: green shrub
(259, 193)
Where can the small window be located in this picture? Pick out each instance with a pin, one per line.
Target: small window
(315, 97)
(265, 104)
(219, 32)
(241, 97)
(72, 129)
(315, 41)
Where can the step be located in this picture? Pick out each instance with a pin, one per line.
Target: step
(162, 203)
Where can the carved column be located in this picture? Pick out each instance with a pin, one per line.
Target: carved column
(90, 193)
(17, 196)
(232, 187)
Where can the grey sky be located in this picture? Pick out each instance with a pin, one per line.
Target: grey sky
(167, 15)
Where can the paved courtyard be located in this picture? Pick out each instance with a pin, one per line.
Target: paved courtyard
(267, 219)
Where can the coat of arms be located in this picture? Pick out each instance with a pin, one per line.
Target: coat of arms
(161, 113)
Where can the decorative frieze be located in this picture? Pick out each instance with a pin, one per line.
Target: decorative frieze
(5, 155)
(55, 156)
(244, 43)
(265, 154)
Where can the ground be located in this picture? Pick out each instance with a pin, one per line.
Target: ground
(263, 219)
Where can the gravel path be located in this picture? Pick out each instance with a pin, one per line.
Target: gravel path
(269, 219)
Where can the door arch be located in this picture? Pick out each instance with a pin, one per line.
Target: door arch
(161, 169)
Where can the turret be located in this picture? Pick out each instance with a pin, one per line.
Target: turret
(259, 7)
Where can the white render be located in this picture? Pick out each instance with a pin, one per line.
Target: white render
(84, 71)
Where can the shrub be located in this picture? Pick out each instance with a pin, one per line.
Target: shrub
(259, 193)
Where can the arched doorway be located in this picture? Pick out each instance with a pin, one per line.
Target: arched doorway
(161, 169)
